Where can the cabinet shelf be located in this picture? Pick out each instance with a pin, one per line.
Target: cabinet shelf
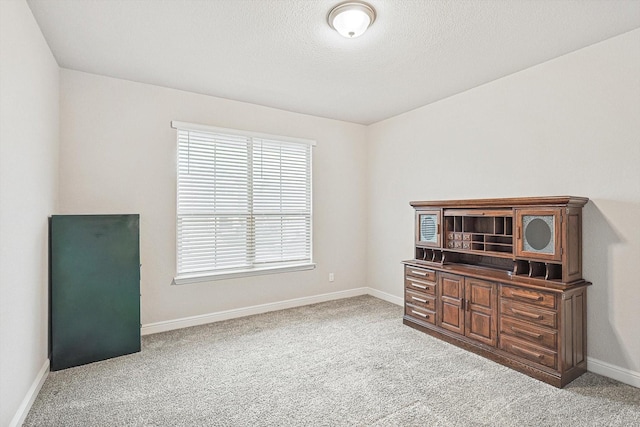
(430, 255)
(536, 269)
(479, 231)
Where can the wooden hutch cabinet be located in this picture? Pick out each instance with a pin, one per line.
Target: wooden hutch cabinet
(503, 278)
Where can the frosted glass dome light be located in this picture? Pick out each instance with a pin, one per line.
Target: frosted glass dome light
(351, 19)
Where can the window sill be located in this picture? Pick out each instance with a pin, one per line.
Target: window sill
(209, 276)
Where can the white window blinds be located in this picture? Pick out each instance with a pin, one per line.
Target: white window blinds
(244, 201)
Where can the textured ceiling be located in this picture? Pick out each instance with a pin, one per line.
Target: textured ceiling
(282, 53)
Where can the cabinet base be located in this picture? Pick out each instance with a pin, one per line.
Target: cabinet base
(497, 355)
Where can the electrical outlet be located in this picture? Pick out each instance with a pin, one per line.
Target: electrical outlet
(331, 278)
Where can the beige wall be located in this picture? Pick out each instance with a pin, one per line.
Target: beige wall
(28, 187)
(568, 126)
(118, 153)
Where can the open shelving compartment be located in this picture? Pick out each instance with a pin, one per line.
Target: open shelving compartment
(537, 269)
(479, 231)
(430, 255)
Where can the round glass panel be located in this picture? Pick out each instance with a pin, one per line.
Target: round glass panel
(538, 234)
(428, 228)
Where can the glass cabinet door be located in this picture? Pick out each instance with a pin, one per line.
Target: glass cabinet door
(428, 228)
(538, 234)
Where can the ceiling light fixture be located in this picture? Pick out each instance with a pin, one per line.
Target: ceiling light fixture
(351, 19)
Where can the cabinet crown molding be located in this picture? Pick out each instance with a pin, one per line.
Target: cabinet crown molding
(571, 201)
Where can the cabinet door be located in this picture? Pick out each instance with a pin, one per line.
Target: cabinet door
(538, 233)
(481, 322)
(451, 297)
(428, 228)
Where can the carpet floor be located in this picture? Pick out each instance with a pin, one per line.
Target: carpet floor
(349, 362)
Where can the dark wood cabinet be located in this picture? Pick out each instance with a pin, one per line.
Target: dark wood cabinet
(503, 278)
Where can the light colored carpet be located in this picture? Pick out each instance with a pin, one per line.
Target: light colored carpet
(349, 362)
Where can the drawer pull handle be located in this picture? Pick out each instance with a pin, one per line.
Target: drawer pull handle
(424, 301)
(416, 285)
(426, 316)
(527, 314)
(419, 273)
(527, 352)
(525, 332)
(527, 296)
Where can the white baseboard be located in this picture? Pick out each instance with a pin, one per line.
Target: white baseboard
(185, 322)
(623, 375)
(30, 397)
(385, 296)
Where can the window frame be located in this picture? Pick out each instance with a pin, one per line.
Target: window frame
(227, 273)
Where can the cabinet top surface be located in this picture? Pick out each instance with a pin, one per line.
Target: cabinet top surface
(506, 202)
(503, 277)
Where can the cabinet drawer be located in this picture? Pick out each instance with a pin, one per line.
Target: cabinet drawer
(420, 313)
(420, 299)
(529, 351)
(421, 273)
(528, 313)
(529, 332)
(420, 286)
(529, 296)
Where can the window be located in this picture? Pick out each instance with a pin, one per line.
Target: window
(243, 205)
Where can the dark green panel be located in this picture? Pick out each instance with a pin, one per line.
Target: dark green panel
(95, 288)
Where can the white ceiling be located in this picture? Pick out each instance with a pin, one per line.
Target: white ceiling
(282, 53)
